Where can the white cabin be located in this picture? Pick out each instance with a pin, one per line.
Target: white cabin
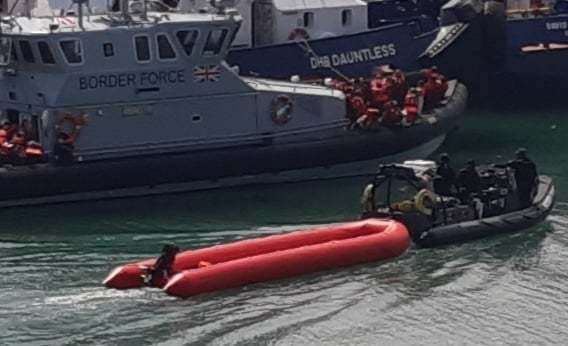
(274, 21)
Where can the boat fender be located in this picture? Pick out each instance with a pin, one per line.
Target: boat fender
(44, 120)
(298, 33)
(281, 109)
(424, 201)
(368, 198)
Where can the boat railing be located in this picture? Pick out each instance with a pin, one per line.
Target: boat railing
(192, 144)
(527, 12)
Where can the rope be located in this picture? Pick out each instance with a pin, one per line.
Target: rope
(308, 49)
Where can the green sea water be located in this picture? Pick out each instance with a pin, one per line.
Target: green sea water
(509, 289)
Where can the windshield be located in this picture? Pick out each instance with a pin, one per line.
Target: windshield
(400, 190)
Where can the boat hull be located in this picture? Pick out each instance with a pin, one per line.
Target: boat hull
(275, 257)
(185, 171)
(510, 222)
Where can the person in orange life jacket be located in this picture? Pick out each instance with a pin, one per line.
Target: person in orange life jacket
(433, 93)
(400, 87)
(19, 145)
(391, 113)
(369, 119)
(5, 145)
(410, 107)
(357, 107)
(4, 131)
(383, 71)
(34, 152)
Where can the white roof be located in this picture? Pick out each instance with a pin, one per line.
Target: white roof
(297, 5)
(41, 25)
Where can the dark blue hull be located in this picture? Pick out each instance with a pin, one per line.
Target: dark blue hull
(352, 55)
(535, 65)
(523, 57)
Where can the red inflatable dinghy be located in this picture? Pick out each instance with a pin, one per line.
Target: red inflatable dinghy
(274, 257)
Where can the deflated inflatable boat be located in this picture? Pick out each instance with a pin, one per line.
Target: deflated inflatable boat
(275, 257)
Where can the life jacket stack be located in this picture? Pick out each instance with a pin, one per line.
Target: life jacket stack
(16, 148)
(386, 98)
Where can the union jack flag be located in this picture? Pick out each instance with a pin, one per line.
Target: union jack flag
(66, 21)
(206, 73)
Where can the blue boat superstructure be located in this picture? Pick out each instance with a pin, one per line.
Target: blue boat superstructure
(314, 39)
(537, 46)
(352, 55)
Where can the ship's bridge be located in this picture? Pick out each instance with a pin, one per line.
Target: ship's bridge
(77, 60)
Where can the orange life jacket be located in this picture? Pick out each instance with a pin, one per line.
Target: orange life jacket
(6, 148)
(411, 107)
(33, 151)
(3, 136)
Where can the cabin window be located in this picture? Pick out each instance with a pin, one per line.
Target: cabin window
(346, 17)
(72, 51)
(27, 53)
(165, 49)
(142, 44)
(215, 41)
(308, 19)
(187, 39)
(108, 49)
(5, 50)
(13, 53)
(45, 53)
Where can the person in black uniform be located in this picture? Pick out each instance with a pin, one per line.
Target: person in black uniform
(525, 176)
(445, 180)
(162, 269)
(469, 179)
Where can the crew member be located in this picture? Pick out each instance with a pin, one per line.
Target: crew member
(446, 185)
(525, 176)
(162, 269)
(469, 179)
(63, 149)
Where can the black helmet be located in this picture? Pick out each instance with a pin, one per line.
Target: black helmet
(445, 157)
(471, 162)
(521, 153)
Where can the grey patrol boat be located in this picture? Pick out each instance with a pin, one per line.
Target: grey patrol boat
(140, 102)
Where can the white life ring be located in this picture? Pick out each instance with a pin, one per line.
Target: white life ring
(424, 201)
(281, 109)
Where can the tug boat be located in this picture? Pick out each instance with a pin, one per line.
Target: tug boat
(168, 114)
(408, 194)
(264, 259)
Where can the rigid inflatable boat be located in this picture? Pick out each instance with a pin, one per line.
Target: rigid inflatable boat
(434, 219)
(275, 257)
(504, 223)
